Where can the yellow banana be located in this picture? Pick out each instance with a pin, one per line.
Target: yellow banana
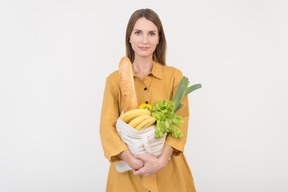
(129, 115)
(136, 121)
(146, 123)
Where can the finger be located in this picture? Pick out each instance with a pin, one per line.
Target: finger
(154, 156)
(136, 156)
(139, 171)
(142, 157)
(136, 172)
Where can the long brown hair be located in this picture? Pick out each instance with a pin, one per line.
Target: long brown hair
(159, 54)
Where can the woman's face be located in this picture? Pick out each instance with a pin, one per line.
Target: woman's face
(144, 38)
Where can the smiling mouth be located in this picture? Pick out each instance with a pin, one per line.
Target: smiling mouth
(144, 48)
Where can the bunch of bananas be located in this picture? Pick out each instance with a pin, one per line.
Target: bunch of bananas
(138, 118)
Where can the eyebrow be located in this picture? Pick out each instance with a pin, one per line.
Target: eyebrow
(141, 30)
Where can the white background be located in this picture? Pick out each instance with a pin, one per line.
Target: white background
(55, 56)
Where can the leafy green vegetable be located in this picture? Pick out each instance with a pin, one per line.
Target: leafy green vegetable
(165, 111)
(167, 120)
(182, 91)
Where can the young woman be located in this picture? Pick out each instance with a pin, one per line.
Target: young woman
(154, 81)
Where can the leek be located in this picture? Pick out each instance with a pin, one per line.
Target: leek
(182, 91)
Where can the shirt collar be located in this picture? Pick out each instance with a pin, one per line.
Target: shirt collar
(156, 71)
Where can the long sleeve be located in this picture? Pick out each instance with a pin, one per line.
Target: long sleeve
(111, 141)
(179, 143)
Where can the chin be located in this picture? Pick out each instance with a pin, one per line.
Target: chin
(144, 54)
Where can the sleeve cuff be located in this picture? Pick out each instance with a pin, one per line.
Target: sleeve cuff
(177, 150)
(113, 157)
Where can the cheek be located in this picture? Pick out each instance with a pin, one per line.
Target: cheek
(134, 39)
(155, 42)
(134, 43)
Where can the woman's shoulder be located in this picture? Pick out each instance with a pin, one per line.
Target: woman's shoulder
(171, 70)
(114, 76)
(112, 80)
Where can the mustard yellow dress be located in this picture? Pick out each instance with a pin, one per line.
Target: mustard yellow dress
(161, 83)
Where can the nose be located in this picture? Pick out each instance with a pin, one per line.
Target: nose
(145, 39)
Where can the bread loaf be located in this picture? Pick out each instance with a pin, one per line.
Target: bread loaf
(129, 96)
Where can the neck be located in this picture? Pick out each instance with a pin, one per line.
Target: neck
(143, 65)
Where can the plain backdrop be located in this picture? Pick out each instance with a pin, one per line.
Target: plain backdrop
(56, 55)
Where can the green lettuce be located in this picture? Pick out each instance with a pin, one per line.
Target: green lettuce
(165, 111)
(167, 120)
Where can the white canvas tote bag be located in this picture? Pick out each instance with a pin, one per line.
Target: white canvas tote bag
(139, 142)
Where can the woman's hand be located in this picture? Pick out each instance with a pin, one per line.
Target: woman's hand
(152, 164)
(134, 163)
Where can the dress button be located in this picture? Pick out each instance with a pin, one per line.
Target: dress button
(146, 102)
(145, 88)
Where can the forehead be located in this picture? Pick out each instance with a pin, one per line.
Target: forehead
(145, 24)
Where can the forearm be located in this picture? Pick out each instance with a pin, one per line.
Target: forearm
(130, 159)
(166, 154)
(125, 155)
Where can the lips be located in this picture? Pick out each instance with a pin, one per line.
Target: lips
(144, 48)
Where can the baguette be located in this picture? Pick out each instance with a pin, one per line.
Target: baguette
(129, 96)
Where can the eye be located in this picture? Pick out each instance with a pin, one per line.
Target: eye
(137, 32)
(152, 33)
